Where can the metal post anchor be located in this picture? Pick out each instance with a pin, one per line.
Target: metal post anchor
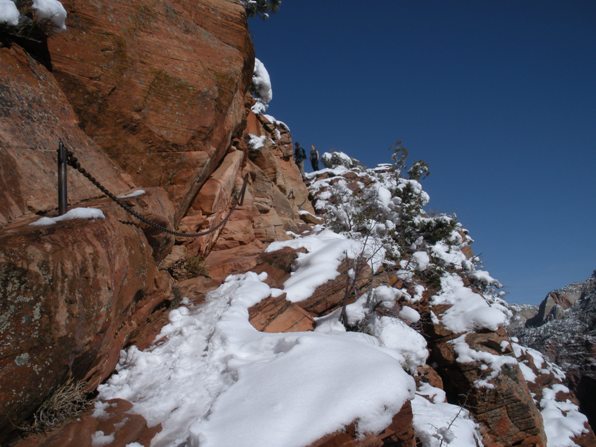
(62, 187)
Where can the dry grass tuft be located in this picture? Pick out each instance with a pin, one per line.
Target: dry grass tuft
(66, 402)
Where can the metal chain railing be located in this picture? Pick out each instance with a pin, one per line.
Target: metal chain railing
(73, 162)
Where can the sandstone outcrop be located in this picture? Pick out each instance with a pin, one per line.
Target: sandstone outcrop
(275, 197)
(506, 410)
(400, 433)
(157, 96)
(151, 96)
(278, 315)
(547, 385)
(72, 295)
(35, 115)
(554, 305)
(159, 87)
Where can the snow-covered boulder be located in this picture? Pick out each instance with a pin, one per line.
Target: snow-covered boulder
(335, 159)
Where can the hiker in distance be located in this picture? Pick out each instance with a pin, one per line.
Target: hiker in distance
(299, 157)
(314, 157)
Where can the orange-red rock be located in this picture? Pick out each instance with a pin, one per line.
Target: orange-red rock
(116, 421)
(222, 263)
(135, 115)
(399, 433)
(34, 115)
(216, 192)
(279, 315)
(332, 294)
(507, 413)
(277, 264)
(73, 293)
(160, 87)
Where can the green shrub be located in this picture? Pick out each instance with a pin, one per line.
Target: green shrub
(262, 8)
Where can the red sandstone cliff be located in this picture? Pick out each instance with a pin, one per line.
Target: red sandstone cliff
(149, 96)
(156, 96)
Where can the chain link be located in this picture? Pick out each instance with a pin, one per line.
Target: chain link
(238, 199)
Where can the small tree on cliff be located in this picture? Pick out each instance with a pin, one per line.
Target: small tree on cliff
(262, 8)
(399, 155)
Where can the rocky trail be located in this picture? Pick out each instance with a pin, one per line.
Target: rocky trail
(329, 310)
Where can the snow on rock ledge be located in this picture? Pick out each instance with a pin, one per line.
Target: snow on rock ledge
(75, 213)
(440, 424)
(469, 311)
(320, 264)
(214, 380)
(9, 14)
(562, 419)
(261, 88)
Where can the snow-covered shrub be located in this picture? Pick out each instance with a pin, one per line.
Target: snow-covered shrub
(9, 14)
(334, 159)
(32, 17)
(437, 228)
(399, 155)
(262, 8)
(376, 203)
(387, 210)
(419, 170)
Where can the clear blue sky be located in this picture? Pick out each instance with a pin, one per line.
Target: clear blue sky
(498, 96)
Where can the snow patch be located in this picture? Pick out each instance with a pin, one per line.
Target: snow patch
(99, 439)
(214, 380)
(9, 13)
(409, 314)
(326, 251)
(562, 420)
(75, 213)
(133, 194)
(439, 424)
(484, 277)
(261, 86)
(448, 254)
(469, 311)
(421, 259)
(277, 122)
(52, 11)
(397, 335)
(255, 142)
(465, 354)
(540, 363)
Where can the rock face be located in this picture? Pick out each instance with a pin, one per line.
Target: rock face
(73, 293)
(275, 198)
(155, 95)
(160, 87)
(35, 115)
(521, 314)
(554, 305)
(564, 331)
(506, 410)
(399, 433)
(145, 95)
